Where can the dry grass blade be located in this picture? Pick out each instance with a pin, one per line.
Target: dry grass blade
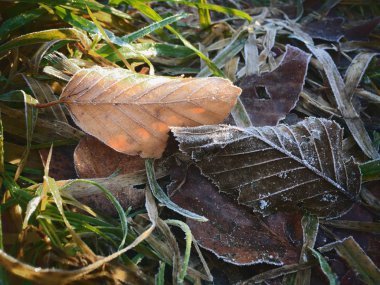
(274, 168)
(343, 101)
(132, 113)
(356, 258)
(356, 71)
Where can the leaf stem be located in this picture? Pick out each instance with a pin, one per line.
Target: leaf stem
(48, 104)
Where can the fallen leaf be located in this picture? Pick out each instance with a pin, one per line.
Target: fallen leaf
(277, 168)
(132, 113)
(329, 29)
(93, 159)
(61, 164)
(126, 194)
(362, 31)
(234, 233)
(282, 85)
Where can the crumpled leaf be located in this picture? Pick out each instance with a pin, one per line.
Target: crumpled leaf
(131, 112)
(277, 168)
(282, 85)
(234, 233)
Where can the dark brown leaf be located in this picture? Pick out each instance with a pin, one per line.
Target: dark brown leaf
(329, 29)
(362, 31)
(277, 168)
(234, 233)
(92, 159)
(282, 86)
(61, 164)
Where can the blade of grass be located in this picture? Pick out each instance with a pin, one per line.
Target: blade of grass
(30, 122)
(30, 209)
(153, 27)
(310, 226)
(3, 275)
(274, 273)
(54, 190)
(20, 20)
(204, 5)
(370, 170)
(326, 269)
(185, 228)
(160, 276)
(204, 15)
(113, 200)
(149, 12)
(68, 34)
(356, 258)
(232, 49)
(93, 5)
(163, 198)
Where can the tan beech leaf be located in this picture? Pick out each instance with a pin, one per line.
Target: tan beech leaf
(132, 112)
(277, 168)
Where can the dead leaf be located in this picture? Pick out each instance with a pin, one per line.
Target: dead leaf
(329, 29)
(283, 86)
(362, 31)
(131, 112)
(234, 233)
(125, 193)
(61, 165)
(277, 168)
(93, 159)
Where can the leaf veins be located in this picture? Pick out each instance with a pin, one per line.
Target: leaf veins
(131, 112)
(277, 168)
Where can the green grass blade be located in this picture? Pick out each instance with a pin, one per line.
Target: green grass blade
(149, 12)
(30, 209)
(20, 20)
(163, 198)
(82, 5)
(189, 237)
(153, 27)
(16, 96)
(370, 170)
(149, 50)
(326, 269)
(68, 34)
(232, 49)
(213, 7)
(204, 14)
(113, 200)
(160, 276)
(31, 114)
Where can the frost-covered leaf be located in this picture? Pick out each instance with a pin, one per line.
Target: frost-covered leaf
(233, 232)
(283, 86)
(277, 168)
(131, 112)
(329, 29)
